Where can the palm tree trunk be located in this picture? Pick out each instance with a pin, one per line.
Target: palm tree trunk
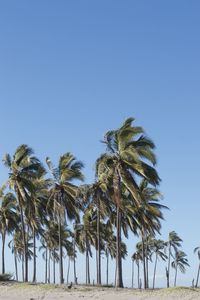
(74, 245)
(16, 271)
(25, 246)
(49, 266)
(88, 269)
(119, 281)
(23, 236)
(98, 243)
(86, 259)
(132, 274)
(60, 252)
(107, 261)
(23, 268)
(46, 260)
(175, 276)
(138, 266)
(116, 181)
(68, 270)
(97, 265)
(168, 270)
(143, 260)
(154, 273)
(3, 251)
(147, 267)
(196, 285)
(115, 273)
(54, 267)
(34, 256)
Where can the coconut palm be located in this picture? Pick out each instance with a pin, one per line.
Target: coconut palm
(97, 200)
(86, 236)
(174, 242)
(110, 250)
(63, 194)
(148, 215)
(36, 213)
(197, 250)
(17, 248)
(9, 220)
(24, 168)
(136, 258)
(126, 149)
(180, 262)
(157, 247)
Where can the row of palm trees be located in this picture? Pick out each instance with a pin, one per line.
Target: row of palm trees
(39, 203)
(165, 250)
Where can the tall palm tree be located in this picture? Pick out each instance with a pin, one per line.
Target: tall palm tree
(63, 194)
(9, 220)
(96, 199)
(197, 250)
(180, 262)
(36, 213)
(24, 168)
(157, 247)
(128, 152)
(174, 242)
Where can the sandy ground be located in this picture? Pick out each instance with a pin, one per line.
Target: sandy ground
(13, 291)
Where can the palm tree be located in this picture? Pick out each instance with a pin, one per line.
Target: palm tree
(136, 258)
(9, 220)
(96, 199)
(180, 262)
(63, 193)
(174, 242)
(23, 169)
(17, 247)
(197, 250)
(157, 247)
(124, 157)
(36, 213)
(148, 216)
(86, 236)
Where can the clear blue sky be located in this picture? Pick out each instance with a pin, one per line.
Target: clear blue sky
(71, 70)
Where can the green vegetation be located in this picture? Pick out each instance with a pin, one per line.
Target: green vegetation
(6, 277)
(39, 201)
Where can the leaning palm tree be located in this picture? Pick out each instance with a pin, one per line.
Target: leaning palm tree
(63, 195)
(24, 168)
(128, 152)
(157, 247)
(174, 242)
(9, 220)
(180, 262)
(197, 250)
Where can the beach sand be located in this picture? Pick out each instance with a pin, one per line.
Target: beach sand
(21, 291)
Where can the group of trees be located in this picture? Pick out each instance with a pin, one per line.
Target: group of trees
(166, 251)
(39, 202)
